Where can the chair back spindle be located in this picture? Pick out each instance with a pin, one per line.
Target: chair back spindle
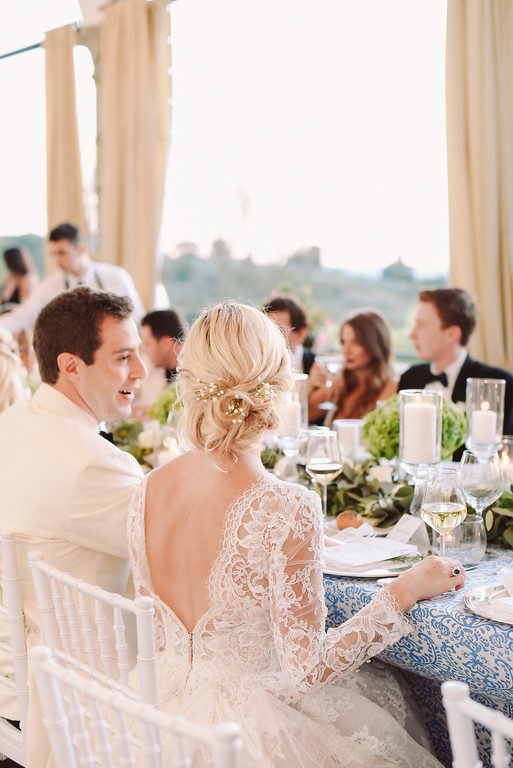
(85, 626)
(462, 712)
(12, 739)
(89, 725)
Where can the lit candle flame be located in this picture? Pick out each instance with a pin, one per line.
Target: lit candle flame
(485, 406)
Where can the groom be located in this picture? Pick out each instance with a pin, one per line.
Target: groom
(444, 321)
(64, 489)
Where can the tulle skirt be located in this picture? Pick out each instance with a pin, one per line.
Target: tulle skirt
(363, 719)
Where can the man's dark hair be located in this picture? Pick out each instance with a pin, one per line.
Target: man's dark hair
(454, 307)
(72, 323)
(166, 322)
(66, 232)
(296, 312)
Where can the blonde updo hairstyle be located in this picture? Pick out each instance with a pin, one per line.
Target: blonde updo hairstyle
(12, 388)
(235, 371)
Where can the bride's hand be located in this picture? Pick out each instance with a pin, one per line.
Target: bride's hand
(429, 578)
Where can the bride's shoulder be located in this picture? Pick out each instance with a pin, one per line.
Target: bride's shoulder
(297, 495)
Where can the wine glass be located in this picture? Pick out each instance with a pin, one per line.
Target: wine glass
(323, 462)
(443, 505)
(332, 362)
(482, 479)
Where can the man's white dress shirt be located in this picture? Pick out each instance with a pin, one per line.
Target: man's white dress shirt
(106, 277)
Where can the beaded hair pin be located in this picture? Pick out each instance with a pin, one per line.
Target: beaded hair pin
(262, 392)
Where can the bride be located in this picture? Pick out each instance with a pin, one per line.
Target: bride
(232, 556)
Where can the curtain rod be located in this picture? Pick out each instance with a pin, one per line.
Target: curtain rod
(21, 50)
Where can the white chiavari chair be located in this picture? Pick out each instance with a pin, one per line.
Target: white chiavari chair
(89, 724)
(12, 739)
(462, 713)
(87, 627)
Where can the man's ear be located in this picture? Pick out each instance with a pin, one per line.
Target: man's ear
(68, 366)
(454, 333)
(301, 334)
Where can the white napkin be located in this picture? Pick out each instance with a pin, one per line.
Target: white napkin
(502, 606)
(356, 551)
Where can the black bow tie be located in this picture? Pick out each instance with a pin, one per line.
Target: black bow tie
(107, 435)
(441, 377)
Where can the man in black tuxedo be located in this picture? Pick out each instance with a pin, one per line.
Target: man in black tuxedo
(444, 321)
(290, 316)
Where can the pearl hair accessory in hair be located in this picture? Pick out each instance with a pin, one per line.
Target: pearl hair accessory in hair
(262, 392)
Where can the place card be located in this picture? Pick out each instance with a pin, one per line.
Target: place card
(412, 529)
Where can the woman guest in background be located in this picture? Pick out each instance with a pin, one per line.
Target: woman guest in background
(21, 277)
(367, 375)
(233, 558)
(12, 384)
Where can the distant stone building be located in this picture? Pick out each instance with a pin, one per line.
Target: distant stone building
(398, 271)
(306, 257)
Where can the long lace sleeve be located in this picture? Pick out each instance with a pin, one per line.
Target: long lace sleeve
(309, 655)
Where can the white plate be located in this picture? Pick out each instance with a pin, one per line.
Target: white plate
(478, 600)
(394, 569)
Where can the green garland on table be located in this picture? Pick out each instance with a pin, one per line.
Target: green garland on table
(499, 521)
(369, 488)
(126, 436)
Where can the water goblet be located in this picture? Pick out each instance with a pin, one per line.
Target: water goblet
(481, 478)
(443, 505)
(323, 462)
(289, 444)
(332, 362)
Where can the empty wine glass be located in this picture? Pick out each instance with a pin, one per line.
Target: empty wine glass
(323, 462)
(443, 505)
(332, 362)
(481, 477)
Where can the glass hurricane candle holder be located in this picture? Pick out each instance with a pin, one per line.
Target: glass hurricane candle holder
(506, 459)
(301, 396)
(420, 437)
(485, 414)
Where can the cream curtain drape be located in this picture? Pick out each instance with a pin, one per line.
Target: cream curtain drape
(134, 91)
(479, 73)
(64, 174)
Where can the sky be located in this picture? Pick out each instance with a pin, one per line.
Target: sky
(293, 124)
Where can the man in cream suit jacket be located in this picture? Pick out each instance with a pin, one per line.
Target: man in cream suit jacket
(64, 488)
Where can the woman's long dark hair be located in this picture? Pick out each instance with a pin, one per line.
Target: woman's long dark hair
(372, 331)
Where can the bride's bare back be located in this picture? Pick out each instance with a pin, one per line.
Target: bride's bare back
(186, 505)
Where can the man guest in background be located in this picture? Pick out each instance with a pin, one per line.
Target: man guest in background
(74, 267)
(290, 316)
(445, 319)
(64, 489)
(163, 332)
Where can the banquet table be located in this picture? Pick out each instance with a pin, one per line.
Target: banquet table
(448, 642)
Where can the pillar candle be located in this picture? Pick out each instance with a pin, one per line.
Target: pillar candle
(483, 425)
(419, 433)
(291, 421)
(348, 433)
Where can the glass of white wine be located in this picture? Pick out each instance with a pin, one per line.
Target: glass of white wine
(323, 462)
(443, 505)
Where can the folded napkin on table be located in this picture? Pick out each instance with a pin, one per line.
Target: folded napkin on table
(354, 551)
(502, 606)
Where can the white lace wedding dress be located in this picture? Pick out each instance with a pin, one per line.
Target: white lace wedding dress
(260, 656)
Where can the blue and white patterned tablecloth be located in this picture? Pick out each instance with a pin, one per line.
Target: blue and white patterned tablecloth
(448, 642)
